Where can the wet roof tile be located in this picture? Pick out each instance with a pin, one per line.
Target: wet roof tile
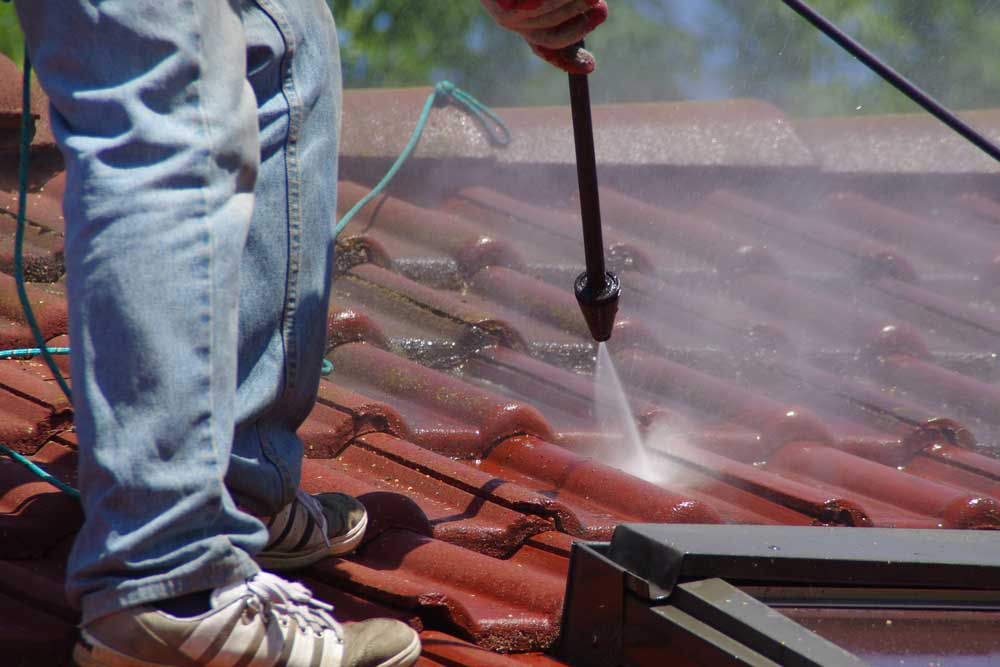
(822, 353)
(511, 604)
(32, 637)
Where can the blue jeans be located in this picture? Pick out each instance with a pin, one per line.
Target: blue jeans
(200, 140)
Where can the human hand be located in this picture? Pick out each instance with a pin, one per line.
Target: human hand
(553, 28)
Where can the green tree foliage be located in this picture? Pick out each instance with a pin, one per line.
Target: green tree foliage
(11, 40)
(762, 49)
(677, 49)
(674, 49)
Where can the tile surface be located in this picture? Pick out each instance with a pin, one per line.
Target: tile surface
(799, 343)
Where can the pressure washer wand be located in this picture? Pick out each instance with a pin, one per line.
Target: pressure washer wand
(597, 289)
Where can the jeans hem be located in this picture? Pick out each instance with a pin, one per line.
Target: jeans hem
(134, 593)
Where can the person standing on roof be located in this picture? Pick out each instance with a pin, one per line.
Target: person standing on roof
(200, 142)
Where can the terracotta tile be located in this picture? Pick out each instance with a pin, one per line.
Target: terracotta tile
(956, 324)
(553, 471)
(824, 505)
(369, 415)
(730, 252)
(962, 394)
(956, 477)
(443, 649)
(32, 380)
(48, 302)
(908, 231)
(450, 513)
(548, 235)
(44, 214)
(829, 318)
(418, 308)
(465, 243)
(443, 412)
(326, 431)
(41, 253)
(496, 603)
(898, 426)
(952, 508)
(25, 425)
(34, 515)
(693, 316)
(39, 583)
(349, 324)
(788, 363)
(30, 636)
(961, 457)
(575, 515)
(532, 298)
(734, 504)
(806, 235)
(361, 249)
(775, 422)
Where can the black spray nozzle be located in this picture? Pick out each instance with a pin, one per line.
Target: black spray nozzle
(597, 289)
(599, 304)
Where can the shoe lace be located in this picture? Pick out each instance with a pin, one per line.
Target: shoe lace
(277, 598)
(314, 510)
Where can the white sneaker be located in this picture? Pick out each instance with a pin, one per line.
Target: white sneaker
(262, 622)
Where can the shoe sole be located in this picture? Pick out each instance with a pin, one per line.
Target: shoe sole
(96, 655)
(343, 544)
(407, 656)
(99, 656)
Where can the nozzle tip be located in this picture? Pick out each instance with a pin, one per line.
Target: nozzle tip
(599, 306)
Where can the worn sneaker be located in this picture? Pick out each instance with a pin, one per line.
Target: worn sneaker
(312, 528)
(264, 622)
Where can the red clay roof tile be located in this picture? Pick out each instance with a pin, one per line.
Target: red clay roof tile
(816, 354)
(501, 604)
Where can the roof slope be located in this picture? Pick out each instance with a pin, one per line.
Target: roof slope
(802, 341)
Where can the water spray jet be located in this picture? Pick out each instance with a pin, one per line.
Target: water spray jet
(597, 289)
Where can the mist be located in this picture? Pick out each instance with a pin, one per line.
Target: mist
(802, 267)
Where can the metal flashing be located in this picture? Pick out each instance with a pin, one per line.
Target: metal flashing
(656, 590)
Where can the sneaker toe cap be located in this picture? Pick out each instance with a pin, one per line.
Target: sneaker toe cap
(343, 512)
(380, 641)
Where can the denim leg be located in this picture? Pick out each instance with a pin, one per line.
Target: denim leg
(158, 127)
(294, 68)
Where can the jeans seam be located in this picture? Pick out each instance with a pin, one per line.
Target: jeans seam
(210, 242)
(287, 490)
(290, 92)
(294, 224)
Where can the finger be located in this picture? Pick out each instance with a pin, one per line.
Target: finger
(571, 31)
(573, 60)
(555, 18)
(520, 10)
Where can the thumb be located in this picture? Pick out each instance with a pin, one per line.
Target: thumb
(573, 59)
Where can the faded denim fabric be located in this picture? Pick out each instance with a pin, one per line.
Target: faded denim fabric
(200, 140)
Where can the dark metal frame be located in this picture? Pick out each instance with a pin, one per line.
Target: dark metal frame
(706, 595)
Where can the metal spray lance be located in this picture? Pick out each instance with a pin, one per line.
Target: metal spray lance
(597, 289)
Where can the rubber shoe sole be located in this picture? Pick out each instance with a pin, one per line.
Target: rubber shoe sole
(339, 546)
(94, 654)
(406, 657)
